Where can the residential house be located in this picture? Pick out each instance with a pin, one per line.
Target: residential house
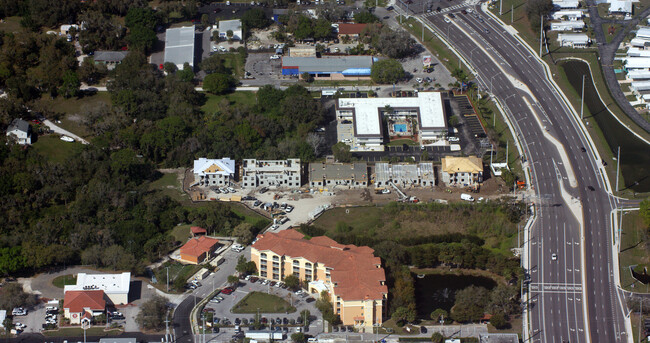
(230, 25)
(271, 173)
(636, 63)
(198, 250)
(352, 276)
(405, 175)
(20, 131)
(110, 58)
(115, 286)
(462, 171)
(573, 40)
(620, 7)
(350, 31)
(214, 172)
(568, 25)
(83, 304)
(353, 175)
(570, 15)
(198, 231)
(566, 4)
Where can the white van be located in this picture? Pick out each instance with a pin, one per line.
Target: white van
(467, 197)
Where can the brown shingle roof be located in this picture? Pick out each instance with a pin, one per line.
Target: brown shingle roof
(356, 272)
(351, 29)
(198, 246)
(196, 230)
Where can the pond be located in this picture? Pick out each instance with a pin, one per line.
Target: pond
(635, 159)
(435, 291)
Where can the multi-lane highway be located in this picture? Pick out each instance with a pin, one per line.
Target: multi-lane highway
(571, 298)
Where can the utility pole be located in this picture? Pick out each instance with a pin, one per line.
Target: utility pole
(512, 13)
(507, 150)
(167, 335)
(618, 165)
(491, 153)
(582, 99)
(501, 7)
(541, 33)
(167, 279)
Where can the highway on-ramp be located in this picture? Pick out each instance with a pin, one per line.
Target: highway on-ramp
(571, 299)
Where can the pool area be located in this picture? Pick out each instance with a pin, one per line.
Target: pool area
(399, 128)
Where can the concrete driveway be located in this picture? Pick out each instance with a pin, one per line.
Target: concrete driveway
(62, 131)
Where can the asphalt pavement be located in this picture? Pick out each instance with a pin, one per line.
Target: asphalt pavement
(571, 299)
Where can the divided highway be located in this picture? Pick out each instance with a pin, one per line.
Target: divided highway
(570, 299)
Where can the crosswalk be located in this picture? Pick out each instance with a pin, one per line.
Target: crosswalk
(556, 288)
(454, 8)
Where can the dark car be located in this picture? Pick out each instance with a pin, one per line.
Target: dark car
(451, 15)
(285, 321)
(463, 12)
(583, 149)
(335, 328)
(390, 8)
(591, 188)
(438, 9)
(423, 329)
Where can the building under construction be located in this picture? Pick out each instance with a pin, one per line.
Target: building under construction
(405, 175)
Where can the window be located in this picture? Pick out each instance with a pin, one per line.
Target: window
(307, 265)
(308, 278)
(263, 267)
(276, 258)
(296, 274)
(263, 274)
(296, 263)
(276, 276)
(296, 270)
(263, 255)
(276, 264)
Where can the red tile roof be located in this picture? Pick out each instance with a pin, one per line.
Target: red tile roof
(196, 230)
(356, 272)
(351, 29)
(198, 246)
(77, 301)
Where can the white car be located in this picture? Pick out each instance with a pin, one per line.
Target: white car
(275, 57)
(419, 80)
(385, 191)
(275, 227)
(447, 20)
(222, 48)
(469, 10)
(554, 257)
(67, 139)
(453, 139)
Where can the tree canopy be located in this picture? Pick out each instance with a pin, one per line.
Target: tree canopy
(387, 71)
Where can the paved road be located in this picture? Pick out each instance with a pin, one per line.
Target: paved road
(607, 52)
(537, 112)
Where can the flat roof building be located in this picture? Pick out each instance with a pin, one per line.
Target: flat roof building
(566, 4)
(307, 51)
(621, 7)
(271, 173)
(568, 15)
(116, 286)
(573, 40)
(405, 175)
(568, 25)
(340, 174)
(352, 276)
(334, 68)
(214, 172)
(427, 109)
(179, 46)
(230, 25)
(632, 63)
(638, 75)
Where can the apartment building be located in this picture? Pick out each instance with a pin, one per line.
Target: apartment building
(339, 174)
(462, 171)
(214, 172)
(351, 275)
(271, 173)
(405, 175)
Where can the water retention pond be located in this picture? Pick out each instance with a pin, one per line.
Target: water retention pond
(635, 153)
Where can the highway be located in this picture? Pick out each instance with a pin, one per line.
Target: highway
(571, 299)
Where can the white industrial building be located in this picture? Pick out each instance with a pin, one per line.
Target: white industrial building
(271, 173)
(214, 172)
(568, 25)
(573, 40)
(568, 15)
(566, 4)
(179, 46)
(115, 286)
(405, 175)
(366, 114)
(230, 25)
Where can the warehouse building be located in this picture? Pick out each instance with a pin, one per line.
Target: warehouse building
(427, 111)
(271, 173)
(179, 46)
(329, 68)
(405, 175)
(353, 175)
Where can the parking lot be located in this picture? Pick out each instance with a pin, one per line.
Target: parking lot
(263, 69)
(222, 310)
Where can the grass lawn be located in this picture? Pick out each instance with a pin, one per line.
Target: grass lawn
(266, 303)
(635, 248)
(176, 271)
(60, 281)
(169, 185)
(235, 62)
(55, 149)
(78, 332)
(71, 111)
(400, 142)
(435, 45)
(213, 102)
(11, 24)
(630, 97)
(181, 232)
(606, 29)
(488, 221)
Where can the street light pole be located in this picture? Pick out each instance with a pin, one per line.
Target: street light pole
(582, 99)
(618, 165)
(541, 32)
(167, 279)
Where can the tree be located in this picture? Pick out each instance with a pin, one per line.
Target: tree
(141, 38)
(504, 299)
(187, 74)
(153, 313)
(644, 212)
(387, 71)
(535, 9)
(438, 315)
(229, 34)
(470, 304)
(307, 77)
(12, 295)
(245, 267)
(437, 337)
(218, 83)
(453, 121)
(394, 44)
(322, 29)
(305, 315)
(89, 72)
(298, 337)
(244, 233)
(71, 84)
(233, 280)
(499, 320)
(213, 64)
(508, 177)
(404, 315)
(342, 152)
(255, 18)
(11, 260)
(205, 19)
(365, 18)
(292, 282)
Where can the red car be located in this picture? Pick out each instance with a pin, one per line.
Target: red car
(227, 290)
